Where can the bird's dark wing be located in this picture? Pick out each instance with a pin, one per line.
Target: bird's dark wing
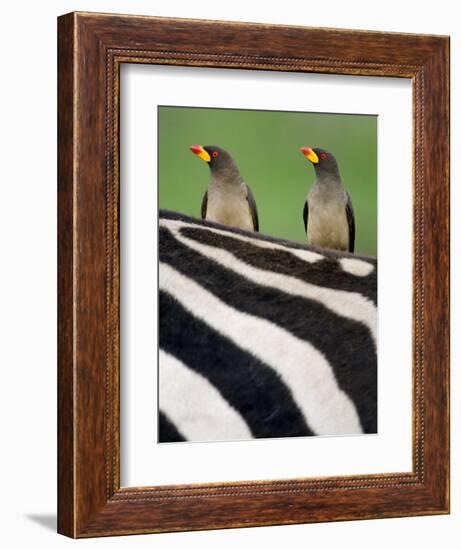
(350, 223)
(305, 215)
(204, 204)
(253, 209)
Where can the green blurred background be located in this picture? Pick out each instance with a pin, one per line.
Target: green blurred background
(265, 146)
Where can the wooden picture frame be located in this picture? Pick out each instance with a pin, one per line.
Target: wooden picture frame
(91, 48)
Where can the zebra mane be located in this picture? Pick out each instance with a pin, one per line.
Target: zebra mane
(172, 215)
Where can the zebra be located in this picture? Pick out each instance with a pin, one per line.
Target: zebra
(262, 337)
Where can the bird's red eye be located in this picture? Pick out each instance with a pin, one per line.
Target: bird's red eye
(215, 154)
(323, 156)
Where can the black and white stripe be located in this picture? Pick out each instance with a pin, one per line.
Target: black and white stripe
(261, 337)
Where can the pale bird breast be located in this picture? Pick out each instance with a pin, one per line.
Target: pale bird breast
(229, 209)
(327, 226)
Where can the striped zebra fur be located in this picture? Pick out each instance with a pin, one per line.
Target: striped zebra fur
(261, 337)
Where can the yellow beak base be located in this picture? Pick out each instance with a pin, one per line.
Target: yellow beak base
(310, 154)
(200, 152)
(204, 156)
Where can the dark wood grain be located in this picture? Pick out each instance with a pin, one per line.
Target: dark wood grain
(91, 49)
(66, 297)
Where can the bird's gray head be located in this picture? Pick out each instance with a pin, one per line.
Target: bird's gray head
(323, 161)
(221, 163)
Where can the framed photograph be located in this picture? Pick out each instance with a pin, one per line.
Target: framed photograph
(253, 257)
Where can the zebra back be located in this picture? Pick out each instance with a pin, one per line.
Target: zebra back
(261, 337)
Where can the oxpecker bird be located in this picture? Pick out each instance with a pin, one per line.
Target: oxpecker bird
(328, 213)
(228, 199)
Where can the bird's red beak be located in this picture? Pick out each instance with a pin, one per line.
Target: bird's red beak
(200, 152)
(310, 154)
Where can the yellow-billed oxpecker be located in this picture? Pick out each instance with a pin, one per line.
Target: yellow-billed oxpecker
(328, 213)
(228, 199)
